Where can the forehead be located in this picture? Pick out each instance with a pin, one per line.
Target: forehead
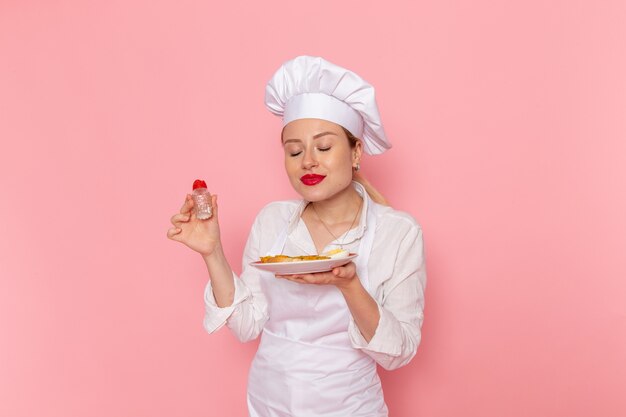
(303, 128)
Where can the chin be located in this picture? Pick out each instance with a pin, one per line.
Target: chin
(311, 195)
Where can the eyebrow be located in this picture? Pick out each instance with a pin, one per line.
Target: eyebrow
(319, 135)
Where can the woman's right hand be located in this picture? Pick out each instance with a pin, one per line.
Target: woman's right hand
(203, 236)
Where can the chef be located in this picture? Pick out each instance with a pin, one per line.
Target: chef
(322, 333)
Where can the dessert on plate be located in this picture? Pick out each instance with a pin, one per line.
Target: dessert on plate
(332, 254)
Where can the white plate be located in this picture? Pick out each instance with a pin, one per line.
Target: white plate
(303, 267)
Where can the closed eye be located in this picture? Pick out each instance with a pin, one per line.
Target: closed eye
(324, 149)
(294, 154)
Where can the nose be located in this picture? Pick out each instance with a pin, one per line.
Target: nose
(308, 160)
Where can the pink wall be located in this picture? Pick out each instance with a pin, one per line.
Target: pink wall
(509, 132)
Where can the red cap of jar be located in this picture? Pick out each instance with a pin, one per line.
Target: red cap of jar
(199, 184)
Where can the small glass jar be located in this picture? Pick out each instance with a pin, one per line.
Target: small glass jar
(202, 203)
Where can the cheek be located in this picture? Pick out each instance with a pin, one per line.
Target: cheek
(342, 164)
(288, 163)
(291, 166)
(342, 170)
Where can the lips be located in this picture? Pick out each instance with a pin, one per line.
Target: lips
(312, 179)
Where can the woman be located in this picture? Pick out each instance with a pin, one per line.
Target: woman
(322, 333)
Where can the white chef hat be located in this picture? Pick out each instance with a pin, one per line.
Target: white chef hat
(311, 87)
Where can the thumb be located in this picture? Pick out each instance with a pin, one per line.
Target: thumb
(340, 272)
(346, 271)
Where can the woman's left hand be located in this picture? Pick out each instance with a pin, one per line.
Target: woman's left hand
(342, 277)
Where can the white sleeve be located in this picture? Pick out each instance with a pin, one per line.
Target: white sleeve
(248, 313)
(401, 308)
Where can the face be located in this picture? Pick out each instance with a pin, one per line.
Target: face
(318, 158)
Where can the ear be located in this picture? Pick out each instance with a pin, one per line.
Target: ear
(357, 151)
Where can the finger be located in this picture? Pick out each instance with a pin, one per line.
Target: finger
(292, 278)
(339, 272)
(188, 205)
(286, 276)
(318, 278)
(345, 271)
(173, 233)
(308, 278)
(214, 204)
(178, 219)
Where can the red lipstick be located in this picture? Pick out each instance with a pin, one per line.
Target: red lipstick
(312, 179)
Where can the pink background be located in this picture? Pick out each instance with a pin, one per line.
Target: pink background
(508, 120)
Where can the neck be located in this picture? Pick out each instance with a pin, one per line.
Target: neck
(339, 208)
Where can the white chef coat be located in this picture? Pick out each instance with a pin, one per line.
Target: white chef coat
(395, 278)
